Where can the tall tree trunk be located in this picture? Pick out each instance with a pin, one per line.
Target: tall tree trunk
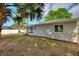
(27, 27)
(0, 30)
(2, 18)
(18, 27)
(1, 24)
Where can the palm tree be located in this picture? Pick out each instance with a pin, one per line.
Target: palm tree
(4, 13)
(31, 11)
(19, 22)
(18, 19)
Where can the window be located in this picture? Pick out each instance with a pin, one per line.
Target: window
(58, 28)
(30, 30)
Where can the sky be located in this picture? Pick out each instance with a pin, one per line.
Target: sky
(71, 7)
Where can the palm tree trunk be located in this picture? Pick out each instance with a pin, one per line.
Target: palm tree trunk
(1, 24)
(2, 18)
(1, 28)
(27, 27)
(0, 31)
(18, 27)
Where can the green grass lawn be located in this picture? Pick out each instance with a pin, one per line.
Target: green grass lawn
(20, 44)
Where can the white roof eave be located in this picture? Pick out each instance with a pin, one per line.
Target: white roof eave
(56, 21)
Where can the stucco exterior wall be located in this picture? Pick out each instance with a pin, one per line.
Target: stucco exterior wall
(48, 30)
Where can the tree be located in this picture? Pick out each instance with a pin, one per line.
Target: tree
(18, 22)
(61, 13)
(4, 12)
(31, 11)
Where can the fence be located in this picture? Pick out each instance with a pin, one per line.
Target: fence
(12, 31)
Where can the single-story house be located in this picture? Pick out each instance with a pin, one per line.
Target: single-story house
(65, 29)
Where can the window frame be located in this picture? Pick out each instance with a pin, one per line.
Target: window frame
(32, 29)
(58, 31)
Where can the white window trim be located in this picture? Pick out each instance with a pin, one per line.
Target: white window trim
(58, 24)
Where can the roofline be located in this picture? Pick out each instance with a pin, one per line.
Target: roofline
(56, 21)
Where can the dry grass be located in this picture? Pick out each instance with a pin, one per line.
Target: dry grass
(30, 45)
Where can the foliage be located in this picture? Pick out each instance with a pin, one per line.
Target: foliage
(5, 12)
(18, 23)
(31, 10)
(8, 11)
(61, 13)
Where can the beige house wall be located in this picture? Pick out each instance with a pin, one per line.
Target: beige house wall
(48, 30)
